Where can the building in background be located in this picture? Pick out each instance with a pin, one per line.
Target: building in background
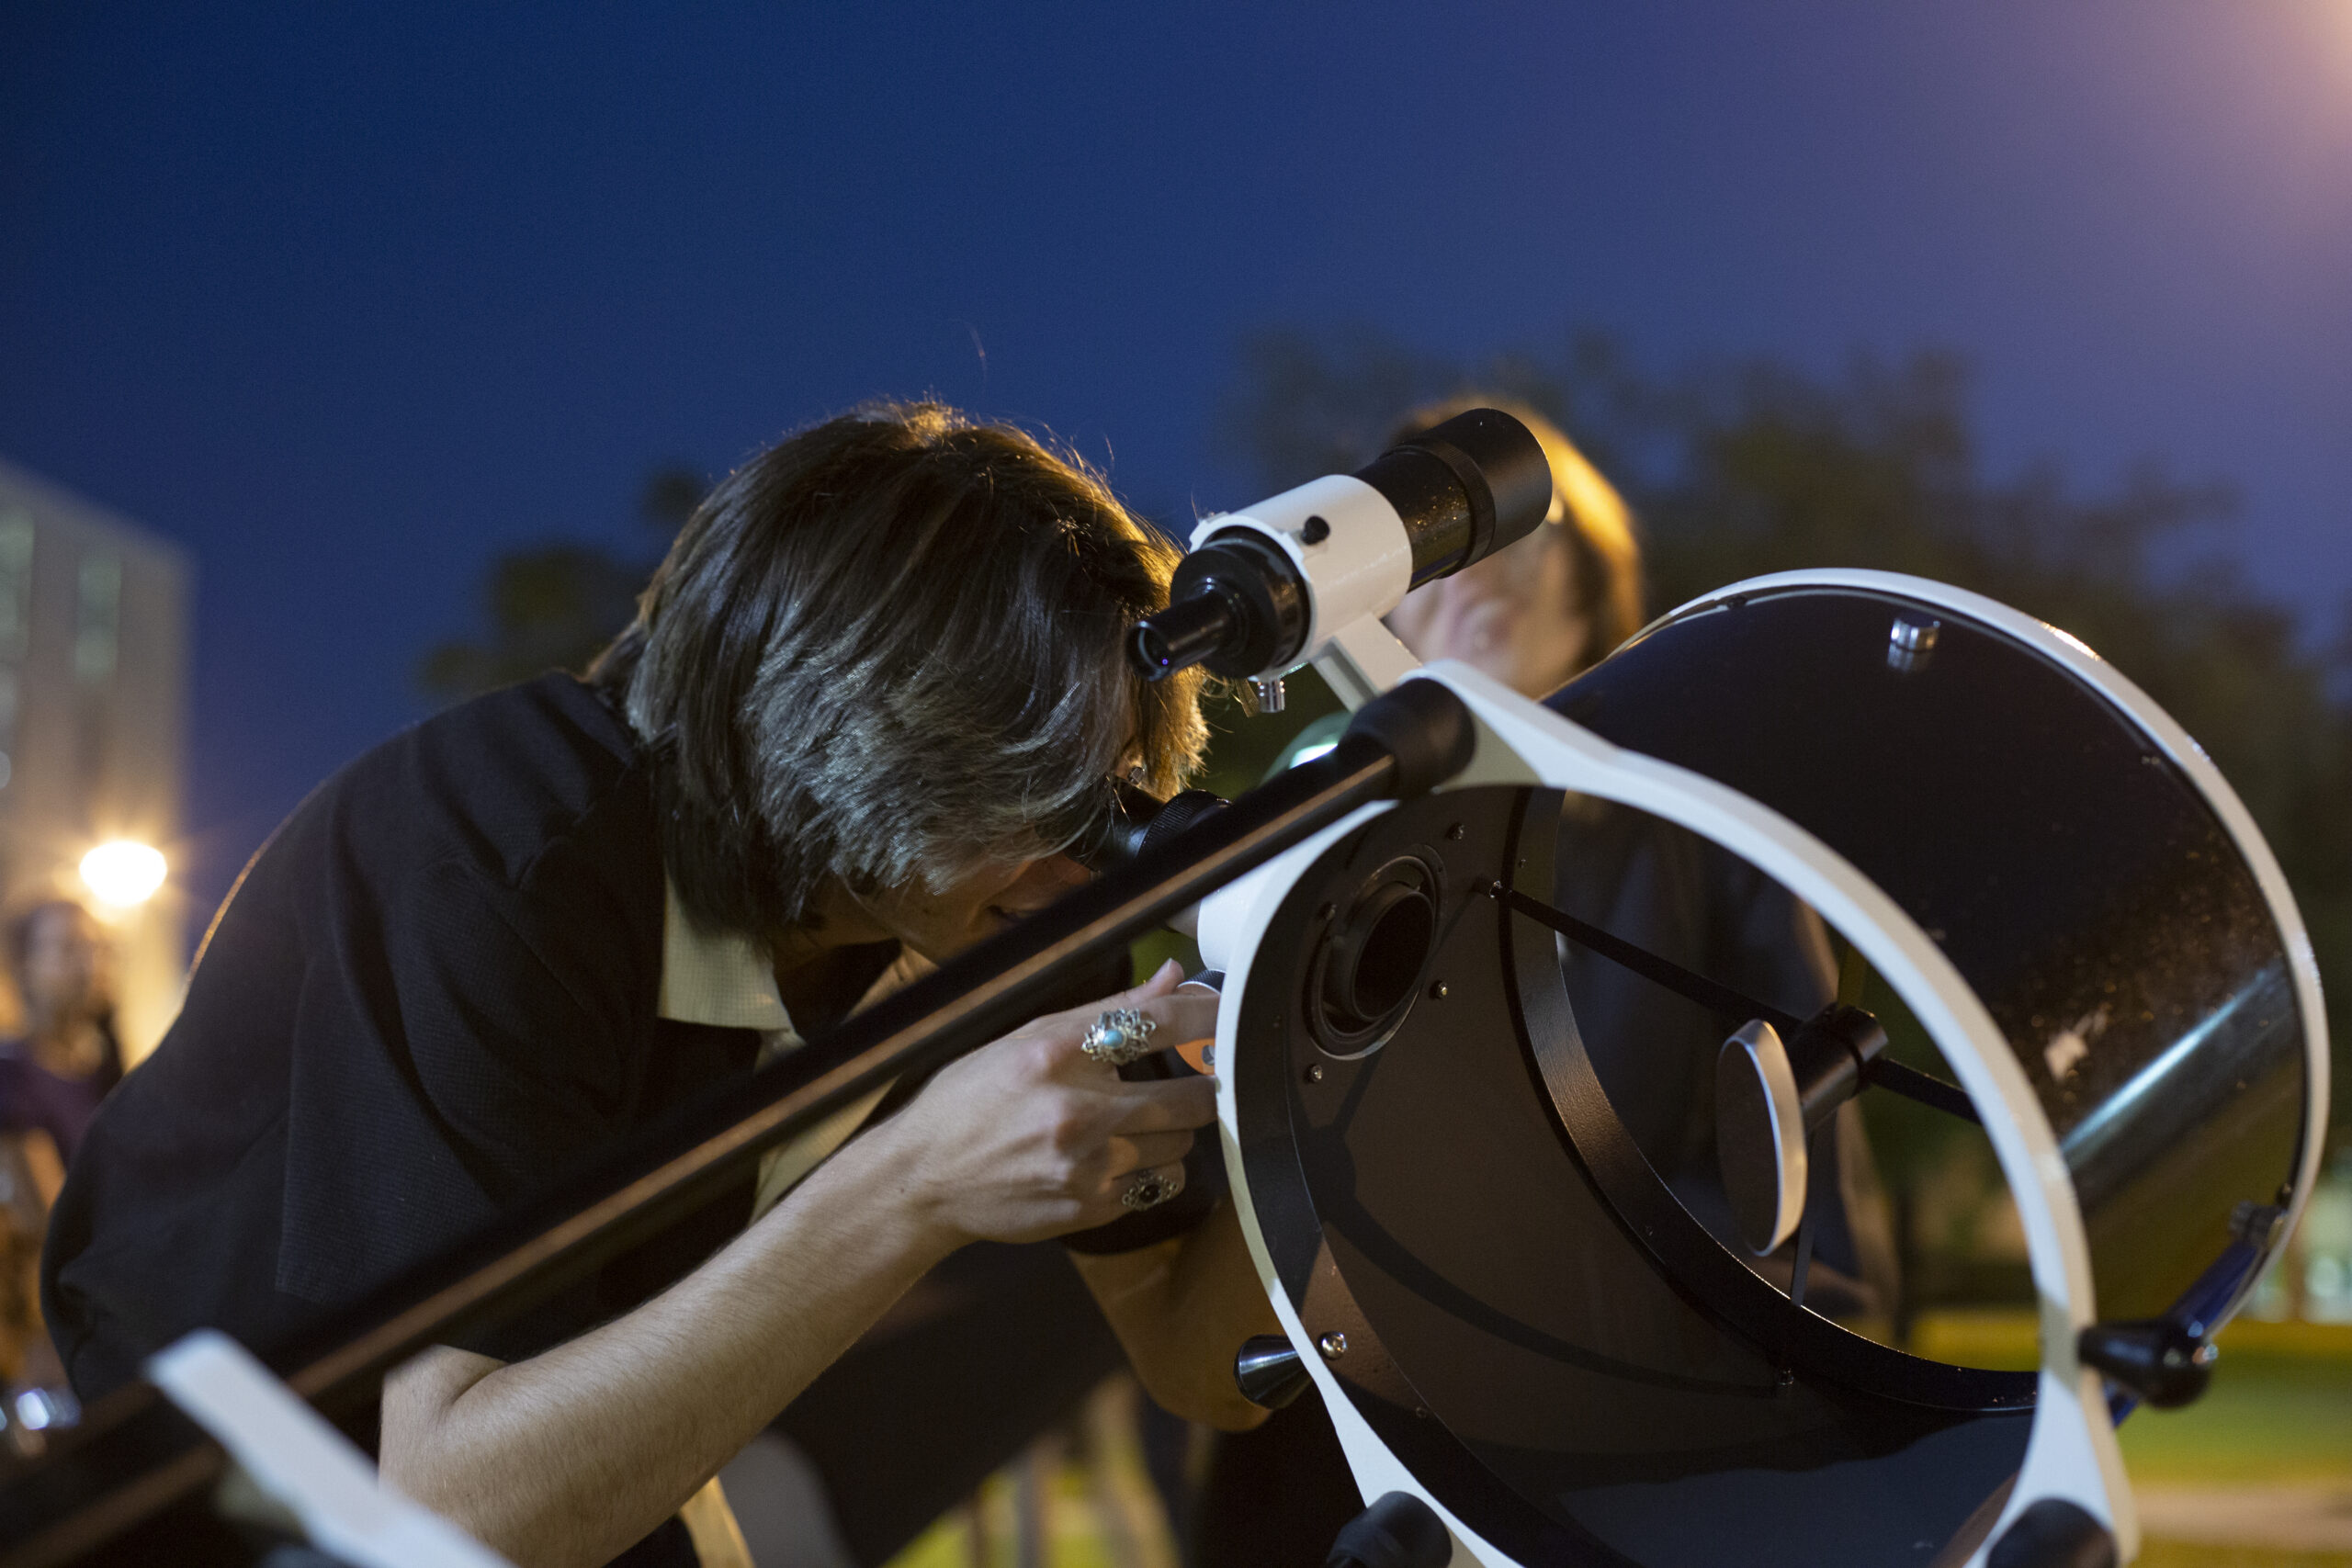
(93, 660)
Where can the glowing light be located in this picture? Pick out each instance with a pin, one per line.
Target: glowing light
(123, 873)
(1308, 753)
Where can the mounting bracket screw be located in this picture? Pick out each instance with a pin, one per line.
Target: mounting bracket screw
(1333, 1345)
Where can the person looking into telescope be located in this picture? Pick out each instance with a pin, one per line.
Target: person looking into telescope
(869, 700)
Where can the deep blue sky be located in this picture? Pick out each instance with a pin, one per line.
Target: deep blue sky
(346, 298)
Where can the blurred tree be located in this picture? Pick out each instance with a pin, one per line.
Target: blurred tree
(1753, 466)
(555, 606)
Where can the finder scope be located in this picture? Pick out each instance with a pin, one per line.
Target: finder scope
(1263, 588)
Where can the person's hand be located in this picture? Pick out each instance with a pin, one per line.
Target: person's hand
(1029, 1138)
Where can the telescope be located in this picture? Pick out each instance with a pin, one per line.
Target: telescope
(1538, 1339)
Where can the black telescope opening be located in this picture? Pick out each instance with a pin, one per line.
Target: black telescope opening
(1478, 483)
(1394, 950)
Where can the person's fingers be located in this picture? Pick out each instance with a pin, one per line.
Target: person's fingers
(1145, 1151)
(1186, 1015)
(1163, 981)
(1166, 1105)
(1150, 1188)
(1174, 1017)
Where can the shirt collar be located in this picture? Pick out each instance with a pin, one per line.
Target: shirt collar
(727, 980)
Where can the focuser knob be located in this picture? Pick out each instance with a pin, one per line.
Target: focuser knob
(2167, 1363)
(1269, 1372)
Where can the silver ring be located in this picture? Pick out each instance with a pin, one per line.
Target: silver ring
(1151, 1188)
(1118, 1036)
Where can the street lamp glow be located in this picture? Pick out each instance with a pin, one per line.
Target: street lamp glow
(123, 873)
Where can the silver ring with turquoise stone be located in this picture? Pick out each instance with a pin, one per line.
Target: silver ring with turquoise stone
(1118, 1036)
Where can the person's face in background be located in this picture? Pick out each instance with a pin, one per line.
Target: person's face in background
(1513, 615)
(66, 977)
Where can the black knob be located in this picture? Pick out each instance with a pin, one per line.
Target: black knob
(2165, 1363)
(1397, 1531)
(1127, 822)
(2053, 1533)
(1268, 1371)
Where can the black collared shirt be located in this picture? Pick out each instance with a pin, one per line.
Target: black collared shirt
(432, 992)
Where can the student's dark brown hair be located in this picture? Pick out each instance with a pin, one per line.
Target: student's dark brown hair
(886, 649)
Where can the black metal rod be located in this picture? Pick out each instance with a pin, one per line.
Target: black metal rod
(1926, 1087)
(1883, 1073)
(669, 1171)
(1716, 999)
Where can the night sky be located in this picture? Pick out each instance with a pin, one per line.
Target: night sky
(346, 298)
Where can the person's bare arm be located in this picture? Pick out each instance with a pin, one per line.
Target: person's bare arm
(570, 1457)
(1182, 1308)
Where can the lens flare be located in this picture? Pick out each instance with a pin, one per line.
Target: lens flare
(123, 873)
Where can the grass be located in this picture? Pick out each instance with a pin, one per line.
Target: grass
(2279, 1413)
(2268, 1418)
(2190, 1554)
(2279, 1410)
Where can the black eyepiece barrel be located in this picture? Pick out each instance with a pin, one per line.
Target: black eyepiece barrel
(1182, 635)
(1465, 489)
(1137, 822)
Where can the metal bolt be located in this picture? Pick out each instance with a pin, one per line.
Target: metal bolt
(1313, 1072)
(1333, 1345)
(1437, 991)
(1914, 636)
(1269, 694)
(1457, 833)
(1909, 643)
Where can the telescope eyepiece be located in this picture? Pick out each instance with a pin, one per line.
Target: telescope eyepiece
(1132, 820)
(1182, 635)
(1236, 605)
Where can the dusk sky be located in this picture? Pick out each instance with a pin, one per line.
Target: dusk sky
(347, 298)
